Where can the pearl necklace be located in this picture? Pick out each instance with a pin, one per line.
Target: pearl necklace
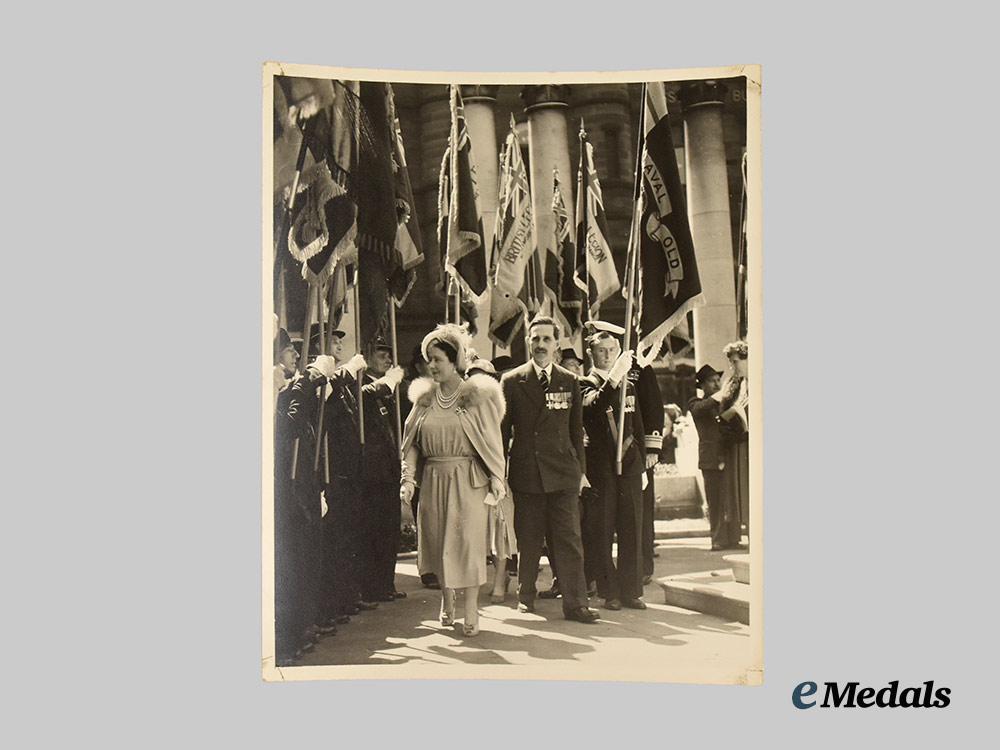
(446, 402)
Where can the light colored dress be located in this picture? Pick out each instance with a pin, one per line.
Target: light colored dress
(452, 517)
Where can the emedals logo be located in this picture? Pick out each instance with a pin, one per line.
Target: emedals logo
(852, 695)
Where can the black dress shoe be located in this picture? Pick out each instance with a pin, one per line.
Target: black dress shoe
(430, 581)
(326, 629)
(614, 604)
(340, 619)
(398, 594)
(524, 607)
(582, 614)
(367, 606)
(387, 597)
(634, 603)
(552, 593)
(349, 610)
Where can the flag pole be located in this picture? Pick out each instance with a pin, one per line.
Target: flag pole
(631, 272)
(741, 279)
(395, 361)
(322, 389)
(286, 219)
(310, 302)
(581, 197)
(357, 344)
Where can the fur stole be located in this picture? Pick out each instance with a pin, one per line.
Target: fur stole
(473, 391)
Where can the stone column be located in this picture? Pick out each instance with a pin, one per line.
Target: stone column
(479, 102)
(548, 147)
(708, 211)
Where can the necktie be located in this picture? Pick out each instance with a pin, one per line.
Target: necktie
(544, 380)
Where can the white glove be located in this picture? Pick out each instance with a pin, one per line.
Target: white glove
(355, 365)
(620, 368)
(325, 365)
(393, 377)
(406, 492)
(498, 489)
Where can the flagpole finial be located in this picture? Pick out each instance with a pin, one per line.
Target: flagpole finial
(513, 122)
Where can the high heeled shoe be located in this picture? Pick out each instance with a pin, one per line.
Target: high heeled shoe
(498, 595)
(470, 629)
(447, 616)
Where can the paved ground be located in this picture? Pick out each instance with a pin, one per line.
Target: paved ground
(662, 642)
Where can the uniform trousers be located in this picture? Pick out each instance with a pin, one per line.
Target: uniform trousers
(622, 503)
(648, 529)
(591, 527)
(556, 516)
(723, 509)
(379, 538)
(342, 542)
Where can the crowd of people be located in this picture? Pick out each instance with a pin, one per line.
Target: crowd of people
(496, 462)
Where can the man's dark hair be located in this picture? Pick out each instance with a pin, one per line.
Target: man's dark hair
(545, 320)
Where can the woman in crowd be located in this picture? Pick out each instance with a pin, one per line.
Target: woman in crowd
(734, 421)
(501, 539)
(452, 448)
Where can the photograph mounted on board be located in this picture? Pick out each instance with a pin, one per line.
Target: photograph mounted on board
(512, 412)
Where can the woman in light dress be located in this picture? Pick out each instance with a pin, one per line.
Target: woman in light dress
(452, 448)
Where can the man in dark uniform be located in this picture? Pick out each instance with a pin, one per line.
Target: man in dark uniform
(343, 520)
(380, 471)
(723, 515)
(297, 513)
(651, 408)
(543, 434)
(620, 584)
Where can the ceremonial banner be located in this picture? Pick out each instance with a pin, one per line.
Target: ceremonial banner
(465, 256)
(667, 284)
(595, 273)
(513, 245)
(560, 288)
(409, 247)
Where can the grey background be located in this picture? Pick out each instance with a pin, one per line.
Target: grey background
(131, 532)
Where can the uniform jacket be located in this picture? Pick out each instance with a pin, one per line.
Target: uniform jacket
(650, 406)
(543, 431)
(381, 452)
(296, 420)
(600, 414)
(711, 445)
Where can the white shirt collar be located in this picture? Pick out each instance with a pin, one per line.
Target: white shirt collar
(538, 370)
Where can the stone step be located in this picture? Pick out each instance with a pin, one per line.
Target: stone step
(681, 528)
(741, 567)
(713, 593)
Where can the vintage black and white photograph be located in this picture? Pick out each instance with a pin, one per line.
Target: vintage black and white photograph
(512, 375)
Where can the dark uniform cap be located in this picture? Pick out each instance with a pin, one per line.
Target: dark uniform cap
(705, 373)
(571, 354)
(380, 344)
(314, 337)
(503, 363)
